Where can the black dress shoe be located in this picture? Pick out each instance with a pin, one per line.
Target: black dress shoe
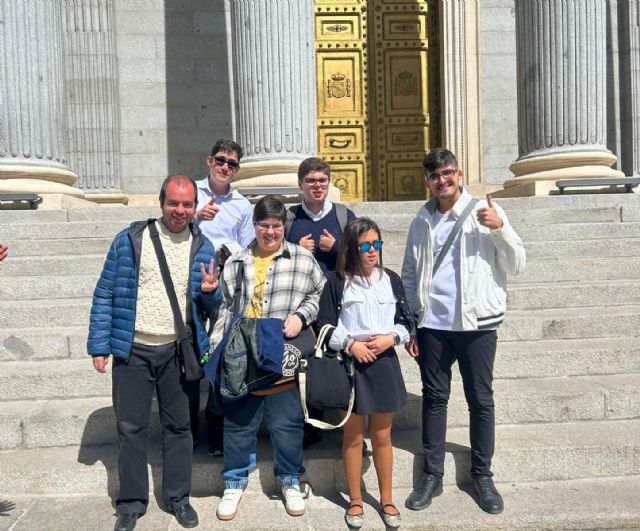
(126, 522)
(428, 487)
(186, 516)
(489, 499)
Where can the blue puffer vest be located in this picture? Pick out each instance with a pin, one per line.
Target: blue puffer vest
(113, 311)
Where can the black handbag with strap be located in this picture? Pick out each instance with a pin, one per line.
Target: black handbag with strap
(326, 380)
(188, 359)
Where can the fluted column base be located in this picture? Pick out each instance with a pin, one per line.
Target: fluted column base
(17, 178)
(572, 165)
(38, 186)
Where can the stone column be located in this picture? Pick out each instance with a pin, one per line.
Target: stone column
(33, 146)
(630, 85)
(460, 85)
(91, 97)
(275, 88)
(562, 129)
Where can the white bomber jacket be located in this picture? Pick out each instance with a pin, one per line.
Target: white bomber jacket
(486, 257)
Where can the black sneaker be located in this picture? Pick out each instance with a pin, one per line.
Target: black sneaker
(489, 499)
(422, 494)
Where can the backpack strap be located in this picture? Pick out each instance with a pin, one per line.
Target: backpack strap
(292, 213)
(341, 214)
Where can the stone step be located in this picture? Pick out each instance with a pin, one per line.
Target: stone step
(601, 503)
(41, 343)
(48, 289)
(571, 323)
(524, 453)
(91, 421)
(547, 295)
(575, 269)
(570, 201)
(61, 266)
(35, 313)
(60, 247)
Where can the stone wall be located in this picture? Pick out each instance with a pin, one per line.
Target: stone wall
(174, 88)
(498, 89)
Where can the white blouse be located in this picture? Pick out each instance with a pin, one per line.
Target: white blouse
(368, 308)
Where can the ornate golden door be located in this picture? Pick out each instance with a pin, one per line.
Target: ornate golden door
(377, 83)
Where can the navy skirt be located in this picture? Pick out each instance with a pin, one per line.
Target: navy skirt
(379, 385)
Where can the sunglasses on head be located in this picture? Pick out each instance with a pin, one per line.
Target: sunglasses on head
(365, 247)
(221, 161)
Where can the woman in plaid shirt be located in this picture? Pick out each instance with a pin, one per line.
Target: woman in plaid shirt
(280, 280)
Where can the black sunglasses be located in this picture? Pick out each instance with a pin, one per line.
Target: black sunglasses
(221, 161)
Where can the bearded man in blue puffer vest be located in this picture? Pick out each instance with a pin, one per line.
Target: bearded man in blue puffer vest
(132, 320)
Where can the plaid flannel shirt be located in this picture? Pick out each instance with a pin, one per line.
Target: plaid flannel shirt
(293, 283)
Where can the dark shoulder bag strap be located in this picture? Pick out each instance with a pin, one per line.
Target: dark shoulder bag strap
(237, 291)
(457, 227)
(166, 278)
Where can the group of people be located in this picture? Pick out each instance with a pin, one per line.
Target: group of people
(310, 265)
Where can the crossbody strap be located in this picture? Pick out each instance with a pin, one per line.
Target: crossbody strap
(166, 277)
(457, 227)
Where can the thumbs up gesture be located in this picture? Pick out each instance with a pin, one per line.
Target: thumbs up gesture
(327, 241)
(488, 216)
(208, 211)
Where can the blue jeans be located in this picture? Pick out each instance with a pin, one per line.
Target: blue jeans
(285, 421)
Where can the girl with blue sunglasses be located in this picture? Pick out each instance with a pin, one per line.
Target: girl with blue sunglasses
(367, 305)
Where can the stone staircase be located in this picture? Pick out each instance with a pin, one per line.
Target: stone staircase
(567, 382)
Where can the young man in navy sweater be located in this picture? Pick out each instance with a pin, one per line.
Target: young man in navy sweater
(317, 225)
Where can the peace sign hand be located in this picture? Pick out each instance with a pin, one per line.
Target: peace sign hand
(209, 278)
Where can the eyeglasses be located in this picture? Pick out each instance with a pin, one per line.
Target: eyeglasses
(365, 247)
(275, 227)
(323, 181)
(444, 173)
(221, 161)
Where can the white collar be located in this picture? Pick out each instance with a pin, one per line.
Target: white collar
(326, 208)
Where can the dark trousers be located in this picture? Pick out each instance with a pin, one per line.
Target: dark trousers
(134, 381)
(475, 353)
(215, 419)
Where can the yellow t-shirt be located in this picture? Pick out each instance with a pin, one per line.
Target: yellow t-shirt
(261, 265)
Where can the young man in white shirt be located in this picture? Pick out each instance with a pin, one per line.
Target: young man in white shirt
(225, 218)
(458, 309)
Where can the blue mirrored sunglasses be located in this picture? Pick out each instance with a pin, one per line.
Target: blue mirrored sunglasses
(365, 247)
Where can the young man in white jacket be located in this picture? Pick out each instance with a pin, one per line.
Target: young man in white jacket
(458, 309)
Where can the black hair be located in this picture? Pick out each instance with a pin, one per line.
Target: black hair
(436, 158)
(348, 262)
(313, 164)
(225, 146)
(270, 206)
(170, 179)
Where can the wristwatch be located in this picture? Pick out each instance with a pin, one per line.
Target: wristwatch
(396, 339)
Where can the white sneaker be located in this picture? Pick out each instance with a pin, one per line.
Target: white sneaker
(228, 506)
(293, 502)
